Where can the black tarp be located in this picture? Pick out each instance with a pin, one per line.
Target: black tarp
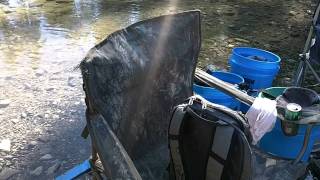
(137, 75)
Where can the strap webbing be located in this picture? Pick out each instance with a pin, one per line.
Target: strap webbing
(220, 147)
(174, 131)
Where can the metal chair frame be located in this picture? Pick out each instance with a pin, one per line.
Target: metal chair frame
(304, 57)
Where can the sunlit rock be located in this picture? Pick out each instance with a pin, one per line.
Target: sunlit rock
(46, 157)
(4, 103)
(37, 171)
(5, 145)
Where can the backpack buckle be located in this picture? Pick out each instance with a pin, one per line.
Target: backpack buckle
(198, 99)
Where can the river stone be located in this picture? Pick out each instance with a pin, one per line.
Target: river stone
(46, 157)
(72, 81)
(294, 34)
(15, 121)
(292, 13)
(6, 173)
(37, 171)
(54, 168)
(55, 116)
(242, 40)
(8, 78)
(46, 116)
(8, 157)
(40, 72)
(23, 115)
(7, 11)
(229, 13)
(27, 86)
(4, 103)
(63, 1)
(33, 143)
(49, 89)
(5, 145)
(36, 4)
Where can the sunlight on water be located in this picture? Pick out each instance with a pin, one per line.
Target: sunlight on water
(37, 32)
(42, 41)
(40, 32)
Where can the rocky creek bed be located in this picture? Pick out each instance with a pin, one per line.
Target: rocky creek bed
(41, 42)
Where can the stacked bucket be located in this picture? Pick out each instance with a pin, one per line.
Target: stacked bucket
(253, 67)
(256, 69)
(216, 96)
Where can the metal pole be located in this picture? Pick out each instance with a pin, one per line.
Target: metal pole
(228, 89)
(223, 86)
(303, 60)
(313, 71)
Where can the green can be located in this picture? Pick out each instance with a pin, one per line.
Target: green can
(292, 113)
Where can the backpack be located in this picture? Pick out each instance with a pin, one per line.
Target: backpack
(209, 141)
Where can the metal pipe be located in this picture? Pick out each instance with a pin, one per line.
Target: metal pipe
(228, 89)
(303, 60)
(313, 71)
(300, 73)
(243, 97)
(222, 86)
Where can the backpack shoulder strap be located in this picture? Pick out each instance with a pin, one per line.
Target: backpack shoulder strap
(174, 133)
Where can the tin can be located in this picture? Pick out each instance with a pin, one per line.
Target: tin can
(292, 113)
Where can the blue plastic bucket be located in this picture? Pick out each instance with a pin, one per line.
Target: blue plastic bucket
(257, 67)
(278, 144)
(216, 96)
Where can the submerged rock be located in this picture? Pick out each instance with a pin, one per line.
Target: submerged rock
(7, 11)
(37, 171)
(32, 144)
(54, 168)
(5, 145)
(63, 1)
(292, 13)
(294, 34)
(4, 103)
(229, 13)
(15, 121)
(27, 86)
(40, 72)
(49, 89)
(23, 115)
(46, 157)
(7, 173)
(242, 40)
(72, 81)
